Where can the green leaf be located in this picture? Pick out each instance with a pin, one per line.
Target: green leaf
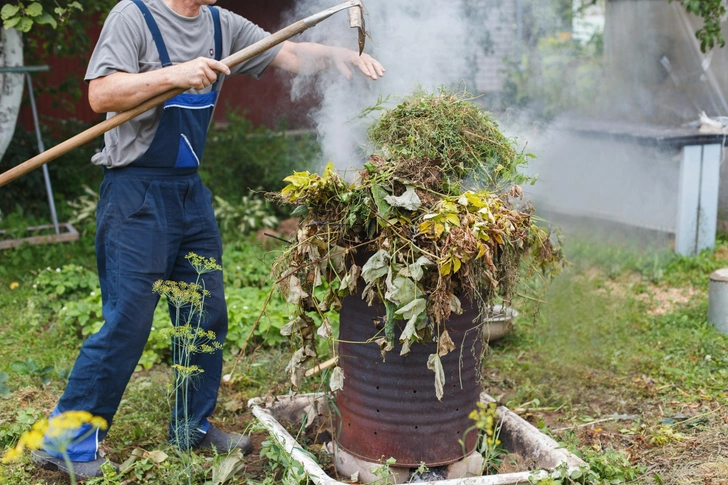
(75, 5)
(24, 25)
(46, 19)
(34, 9)
(380, 195)
(3, 377)
(9, 11)
(19, 367)
(4, 390)
(11, 23)
(299, 211)
(376, 267)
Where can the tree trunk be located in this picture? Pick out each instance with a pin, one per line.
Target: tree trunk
(11, 85)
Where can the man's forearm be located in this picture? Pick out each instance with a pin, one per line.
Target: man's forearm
(310, 58)
(122, 91)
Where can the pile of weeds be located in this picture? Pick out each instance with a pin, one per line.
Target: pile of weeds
(435, 223)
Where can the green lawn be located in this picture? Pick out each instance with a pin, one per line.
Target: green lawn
(615, 359)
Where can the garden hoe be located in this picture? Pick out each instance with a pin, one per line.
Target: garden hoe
(356, 20)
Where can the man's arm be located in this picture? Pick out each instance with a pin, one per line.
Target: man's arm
(310, 58)
(122, 91)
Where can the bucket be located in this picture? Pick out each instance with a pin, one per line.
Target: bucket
(718, 300)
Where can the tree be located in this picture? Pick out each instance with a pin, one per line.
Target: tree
(713, 13)
(26, 27)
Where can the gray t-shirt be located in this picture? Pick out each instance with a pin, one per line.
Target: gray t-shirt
(126, 45)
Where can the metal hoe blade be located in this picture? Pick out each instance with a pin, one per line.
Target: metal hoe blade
(356, 21)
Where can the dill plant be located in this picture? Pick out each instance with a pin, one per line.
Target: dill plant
(188, 338)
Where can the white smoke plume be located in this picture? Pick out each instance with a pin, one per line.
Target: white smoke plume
(419, 42)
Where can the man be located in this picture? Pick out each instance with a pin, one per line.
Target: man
(153, 209)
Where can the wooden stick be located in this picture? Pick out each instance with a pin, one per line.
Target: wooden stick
(230, 61)
(321, 366)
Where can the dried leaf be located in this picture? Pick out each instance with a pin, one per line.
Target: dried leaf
(445, 345)
(228, 467)
(455, 306)
(295, 292)
(296, 365)
(435, 364)
(157, 456)
(384, 346)
(336, 383)
(409, 200)
(324, 331)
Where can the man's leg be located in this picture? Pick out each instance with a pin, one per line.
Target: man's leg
(203, 238)
(131, 255)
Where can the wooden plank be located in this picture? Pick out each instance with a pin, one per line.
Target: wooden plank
(70, 234)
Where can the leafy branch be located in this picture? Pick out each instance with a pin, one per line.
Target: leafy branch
(712, 12)
(22, 18)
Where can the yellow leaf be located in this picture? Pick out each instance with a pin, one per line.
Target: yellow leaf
(445, 268)
(456, 264)
(439, 229)
(453, 219)
(498, 238)
(425, 227)
(481, 251)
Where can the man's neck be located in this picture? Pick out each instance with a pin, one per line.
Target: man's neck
(186, 8)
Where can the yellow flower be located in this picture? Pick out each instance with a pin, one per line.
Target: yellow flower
(14, 285)
(13, 454)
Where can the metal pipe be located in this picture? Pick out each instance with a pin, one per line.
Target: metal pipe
(41, 149)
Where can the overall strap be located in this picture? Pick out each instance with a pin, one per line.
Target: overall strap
(156, 34)
(218, 39)
(218, 32)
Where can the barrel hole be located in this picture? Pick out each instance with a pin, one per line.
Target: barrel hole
(375, 432)
(458, 432)
(415, 391)
(348, 424)
(457, 409)
(377, 410)
(417, 427)
(377, 387)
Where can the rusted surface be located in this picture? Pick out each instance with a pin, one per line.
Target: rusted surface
(389, 408)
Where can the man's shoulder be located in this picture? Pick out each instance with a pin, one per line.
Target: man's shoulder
(127, 9)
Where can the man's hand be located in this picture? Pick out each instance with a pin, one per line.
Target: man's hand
(122, 91)
(370, 67)
(310, 58)
(197, 73)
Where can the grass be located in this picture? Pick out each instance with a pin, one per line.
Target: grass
(607, 364)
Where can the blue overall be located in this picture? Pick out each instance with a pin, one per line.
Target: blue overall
(150, 215)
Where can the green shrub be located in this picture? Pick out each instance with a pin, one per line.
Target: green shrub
(241, 158)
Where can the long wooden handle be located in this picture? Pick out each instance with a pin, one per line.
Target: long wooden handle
(98, 130)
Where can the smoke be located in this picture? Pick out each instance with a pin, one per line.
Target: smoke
(421, 43)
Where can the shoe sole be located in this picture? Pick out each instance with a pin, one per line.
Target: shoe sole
(51, 463)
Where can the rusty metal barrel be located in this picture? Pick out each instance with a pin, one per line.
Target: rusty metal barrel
(388, 407)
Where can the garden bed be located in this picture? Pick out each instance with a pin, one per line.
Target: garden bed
(518, 437)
